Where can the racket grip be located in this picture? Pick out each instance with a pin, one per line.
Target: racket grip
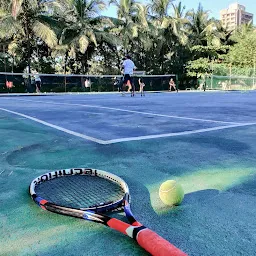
(156, 245)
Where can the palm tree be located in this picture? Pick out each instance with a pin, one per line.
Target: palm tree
(179, 23)
(168, 31)
(142, 43)
(84, 29)
(127, 29)
(223, 34)
(159, 8)
(200, 26)
(27, 21)
(132, 19)
(176, 38)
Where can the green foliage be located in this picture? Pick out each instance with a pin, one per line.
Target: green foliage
(225, 69)
(70, 36)
(24, 28)
(211, 51)
(199, 68)
(243, 54)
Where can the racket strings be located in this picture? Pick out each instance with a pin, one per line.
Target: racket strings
(79, 191)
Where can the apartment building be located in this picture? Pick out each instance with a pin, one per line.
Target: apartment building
(234, 16)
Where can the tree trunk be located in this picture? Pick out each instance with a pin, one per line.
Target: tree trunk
(65, 62)
(27, 30)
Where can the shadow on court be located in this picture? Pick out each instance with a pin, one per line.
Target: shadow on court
(215, 168)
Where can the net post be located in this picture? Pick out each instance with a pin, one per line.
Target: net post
(177, 81)
(254, 68)
(65, 83)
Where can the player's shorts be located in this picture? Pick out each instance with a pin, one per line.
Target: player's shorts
(38, 84)
(127, 78)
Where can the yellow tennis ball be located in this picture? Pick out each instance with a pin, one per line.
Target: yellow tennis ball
(171, 193)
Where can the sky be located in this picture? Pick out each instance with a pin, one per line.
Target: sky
(213, 6)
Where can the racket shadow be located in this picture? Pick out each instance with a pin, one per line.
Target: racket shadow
(145, 213)
(140, 199)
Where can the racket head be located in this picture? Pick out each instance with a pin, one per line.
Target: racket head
(83, 189)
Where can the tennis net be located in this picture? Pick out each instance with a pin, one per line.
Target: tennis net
(57, 83)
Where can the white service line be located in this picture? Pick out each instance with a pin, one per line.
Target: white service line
(105, 142)
(130, 111)
(176, 133)
(56, 127)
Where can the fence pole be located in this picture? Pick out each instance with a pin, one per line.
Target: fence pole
(212, 76)
(230, 75)
(254, 67)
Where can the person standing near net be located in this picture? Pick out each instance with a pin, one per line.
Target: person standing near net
(87, 83)
(142, 85)
(118, 81)
(172, 84)
(128, 68)
(37, 82)
(121, 85)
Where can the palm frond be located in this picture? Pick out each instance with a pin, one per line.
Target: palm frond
(83, 43)
(9, 27)
(45, 33)
(16, 7)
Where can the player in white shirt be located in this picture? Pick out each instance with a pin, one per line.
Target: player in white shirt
(128, 68)
(37, 82)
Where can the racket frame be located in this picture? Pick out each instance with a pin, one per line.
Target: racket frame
(101, 208)
(145, 237)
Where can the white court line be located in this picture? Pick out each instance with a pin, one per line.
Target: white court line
(56, 127)
(131, 111)
(126, 139)
(176, 133)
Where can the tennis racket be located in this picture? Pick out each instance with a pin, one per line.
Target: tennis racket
(89, 194)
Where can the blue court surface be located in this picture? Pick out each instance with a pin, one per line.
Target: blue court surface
(204, 140)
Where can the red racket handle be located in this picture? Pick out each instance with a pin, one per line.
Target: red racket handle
(156, 245)
(147, 239)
